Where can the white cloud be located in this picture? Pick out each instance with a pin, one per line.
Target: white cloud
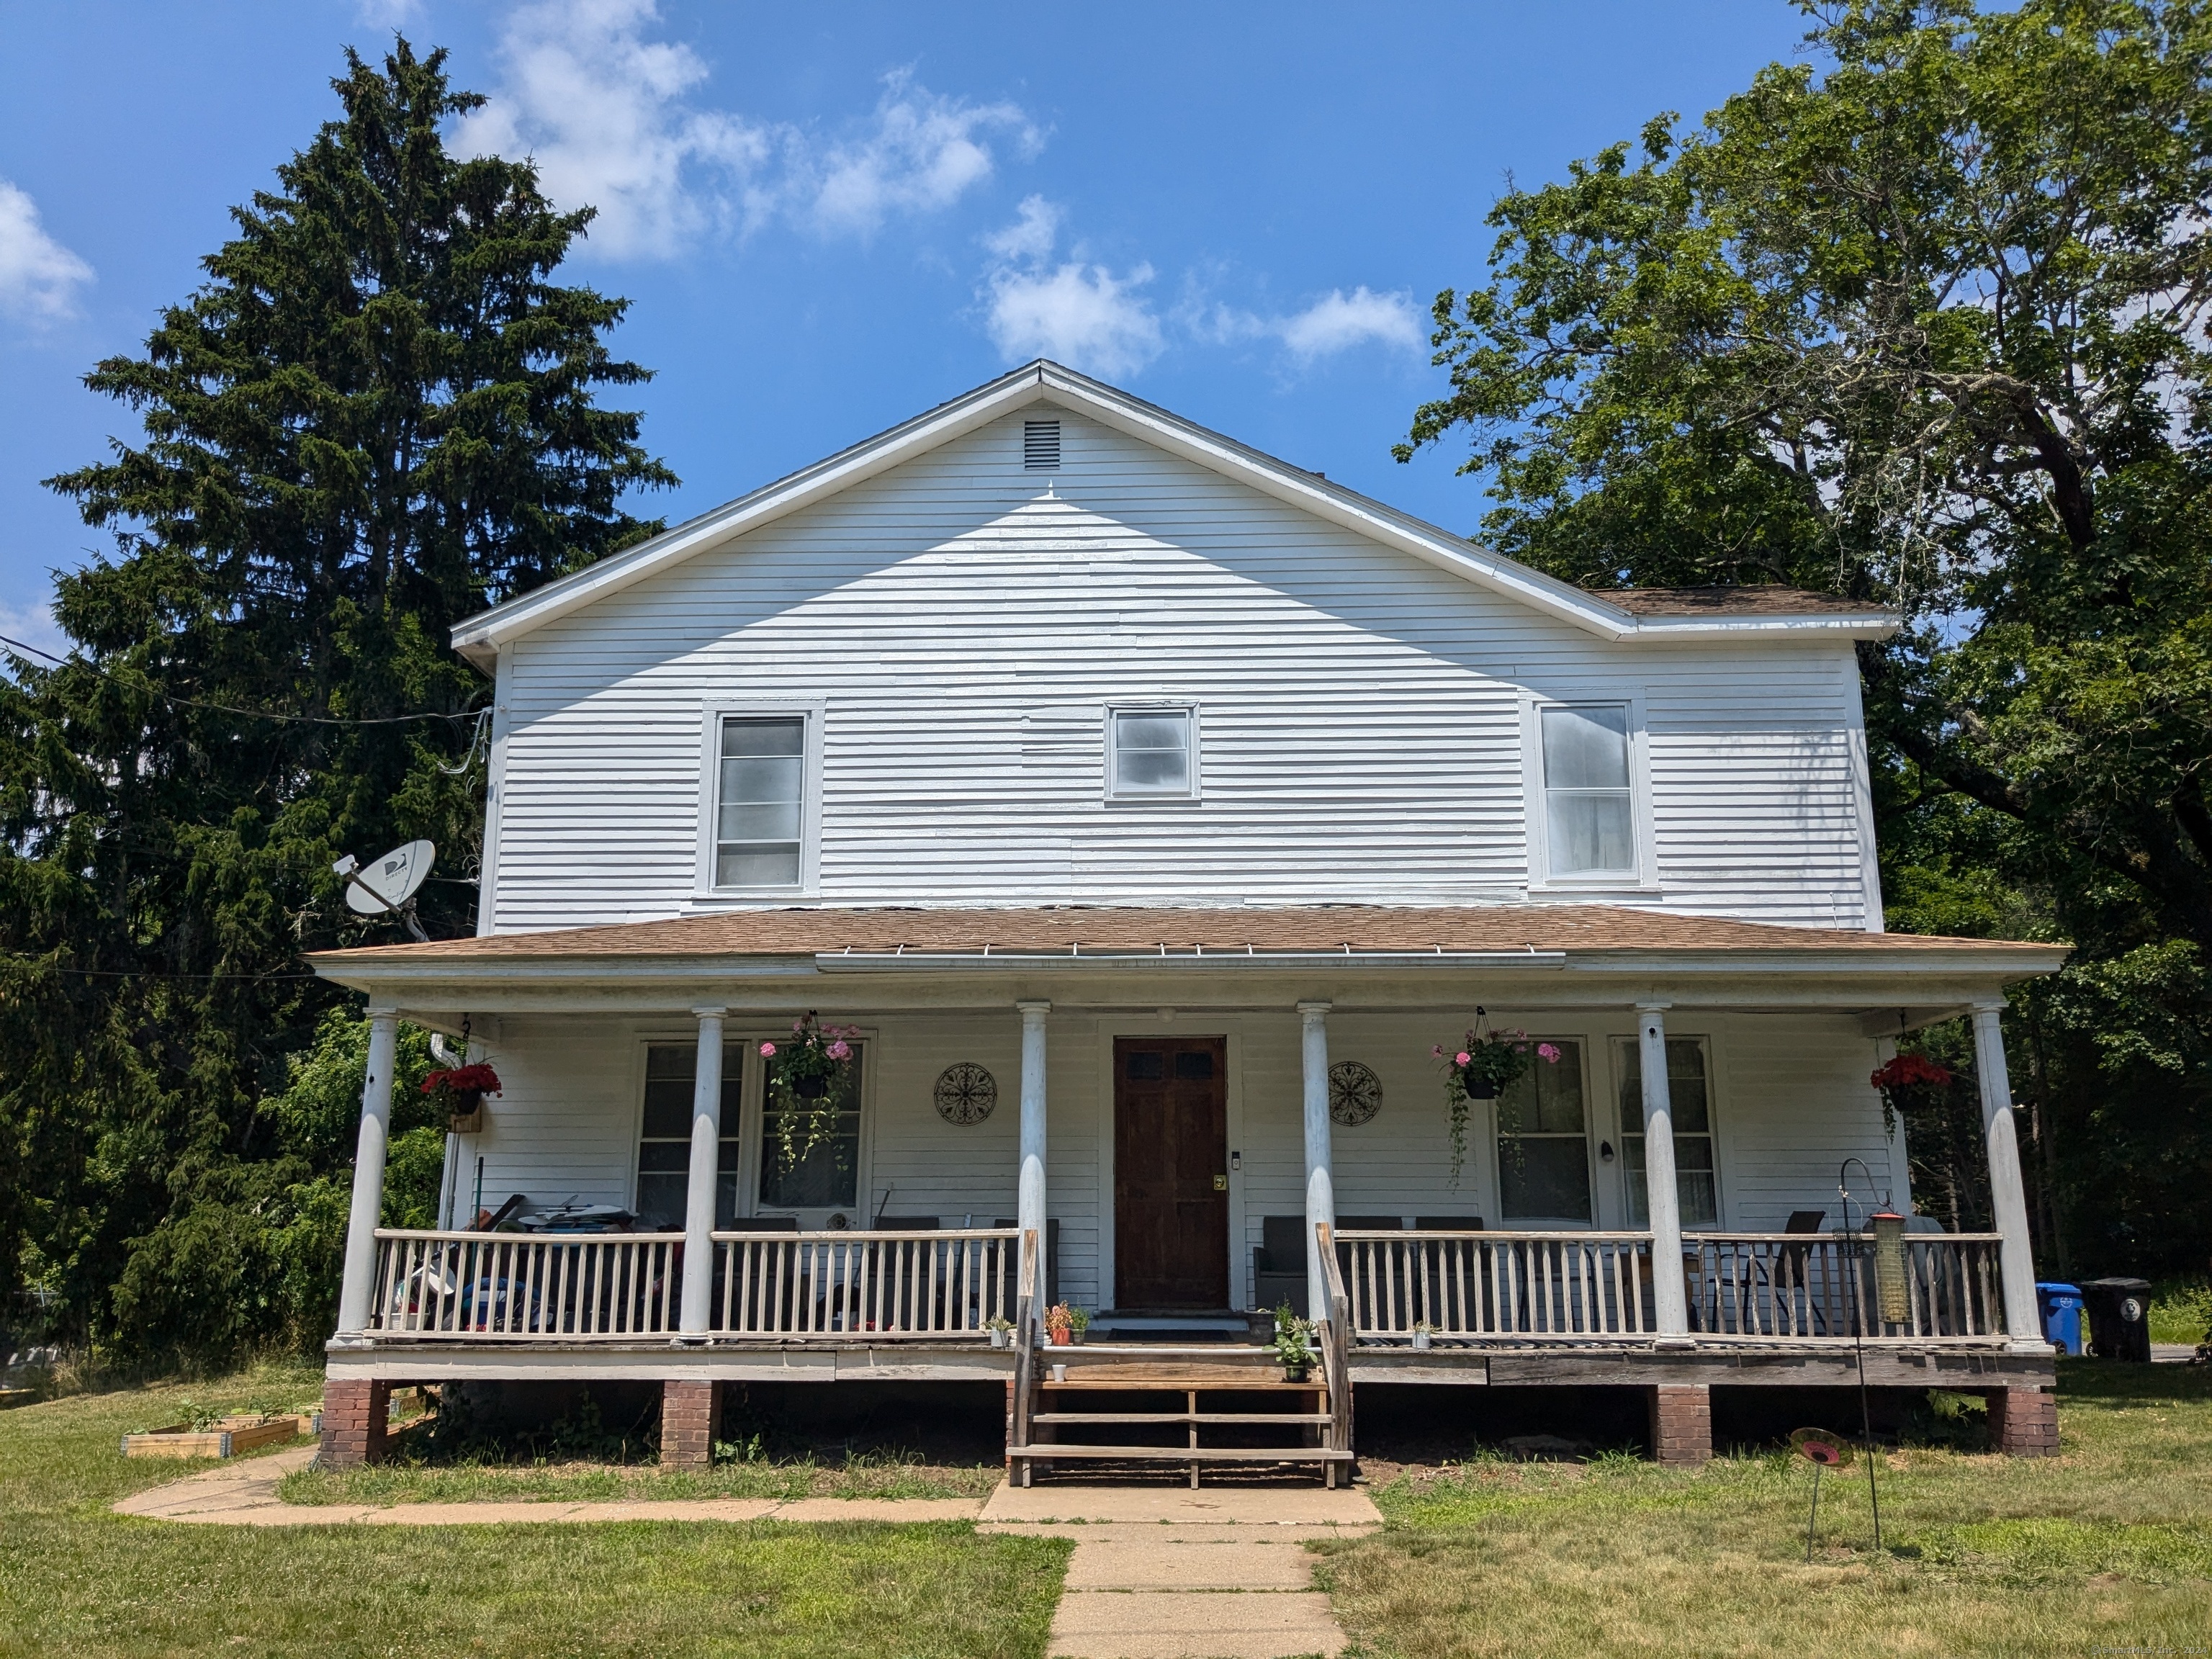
(920, 153)
(38, 278)
(34, 625)
(388, 13)
(1338, 321)
(610, 117)
(1075, 312)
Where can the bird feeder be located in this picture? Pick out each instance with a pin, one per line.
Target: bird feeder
(1891, 1286)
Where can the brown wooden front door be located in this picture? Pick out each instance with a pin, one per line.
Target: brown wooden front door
(1170, 1172)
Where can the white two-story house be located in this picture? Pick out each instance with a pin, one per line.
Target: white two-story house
(1145, 812)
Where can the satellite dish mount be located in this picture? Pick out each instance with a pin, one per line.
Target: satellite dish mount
(387, 885)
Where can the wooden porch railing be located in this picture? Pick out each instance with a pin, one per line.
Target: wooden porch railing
(1800, 1285)
(474, 1287)
(934, 1285)
(1521, 1286)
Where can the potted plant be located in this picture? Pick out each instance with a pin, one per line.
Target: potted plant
(803, 1075)
(1060, 1324)
(1486, 1065)
(1424, 1335)
(1001, 1330)
(1907, 1081)
(1293, 1344)
(460, 1091)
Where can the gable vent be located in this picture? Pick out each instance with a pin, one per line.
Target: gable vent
(1041, 446)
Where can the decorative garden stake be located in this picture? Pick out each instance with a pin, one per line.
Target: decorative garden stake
(1851, 1251)
(1489, 1064)
(1824, 1451)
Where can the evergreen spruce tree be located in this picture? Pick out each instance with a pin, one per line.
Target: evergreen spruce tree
(375, 417)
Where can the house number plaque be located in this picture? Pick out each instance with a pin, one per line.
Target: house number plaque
(965, 1094)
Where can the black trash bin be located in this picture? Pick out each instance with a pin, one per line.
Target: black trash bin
(2119, 1318)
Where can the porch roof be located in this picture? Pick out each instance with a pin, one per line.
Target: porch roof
(1076, 933)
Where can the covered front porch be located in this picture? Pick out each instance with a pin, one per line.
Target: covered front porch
(1173, 1140)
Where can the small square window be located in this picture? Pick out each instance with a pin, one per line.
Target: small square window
(1149, 753)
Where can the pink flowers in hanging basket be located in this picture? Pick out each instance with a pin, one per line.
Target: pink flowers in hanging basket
(768, 1051)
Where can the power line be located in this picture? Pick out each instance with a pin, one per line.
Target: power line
(226, 708)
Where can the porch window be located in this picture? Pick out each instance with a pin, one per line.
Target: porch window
(1697, 1190)
(1543, 1142)
(826, 1175)
(760, 801)
(1588, 808)
(664, 1145)
(1151, 753)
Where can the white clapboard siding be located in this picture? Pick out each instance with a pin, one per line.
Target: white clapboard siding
(1359, 708)
(1791, 1103)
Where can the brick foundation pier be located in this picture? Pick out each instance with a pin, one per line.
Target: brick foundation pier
(2024, 1422)
(1682, 1423)
(356, 1422)
(688, 1414)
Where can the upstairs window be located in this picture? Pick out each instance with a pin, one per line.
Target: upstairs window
(1590, 816)
(1151, 754)
(760, 801)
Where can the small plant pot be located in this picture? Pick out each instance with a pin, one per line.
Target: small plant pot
(997, 1339)
(1482, 1089)
(1422, 1341)
(1076, 1337)
(1059, 1339)
(810, 1088)
(1295, 1373)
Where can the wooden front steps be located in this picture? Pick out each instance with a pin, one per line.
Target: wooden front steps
(1106, 1389)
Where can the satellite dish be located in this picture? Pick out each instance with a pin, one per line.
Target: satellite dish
(387, 886)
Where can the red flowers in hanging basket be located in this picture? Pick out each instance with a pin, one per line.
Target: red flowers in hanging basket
(1907, 1070)
(476, 1079)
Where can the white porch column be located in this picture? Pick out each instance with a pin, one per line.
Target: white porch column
(2007, 1192)
(1670, 1301)
(1321, 1184)
(355, 1287)
(697, 1304)
(1029, 1191)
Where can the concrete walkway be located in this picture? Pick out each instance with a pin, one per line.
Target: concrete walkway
(1160, 1573)
(244, 1494)
(1163, 1572)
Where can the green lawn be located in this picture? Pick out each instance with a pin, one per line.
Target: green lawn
(75, 1579)
(2107, 1547)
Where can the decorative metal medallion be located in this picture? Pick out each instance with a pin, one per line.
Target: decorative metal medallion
(965, 1094)
(1355, 1094)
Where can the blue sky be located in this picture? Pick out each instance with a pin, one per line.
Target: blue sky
(830, 217)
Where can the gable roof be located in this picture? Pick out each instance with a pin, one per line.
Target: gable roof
(1610, 616)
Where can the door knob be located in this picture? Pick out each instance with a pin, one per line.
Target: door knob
(1221, 1184)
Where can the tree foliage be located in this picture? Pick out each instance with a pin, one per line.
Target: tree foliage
(1922, 320)
(376, 415)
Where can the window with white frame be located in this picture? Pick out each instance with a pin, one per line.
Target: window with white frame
(1543, 1141)
(1690, 1104)
(1152, 753)
(664, 1142)
(1588, 805)
(760, 801)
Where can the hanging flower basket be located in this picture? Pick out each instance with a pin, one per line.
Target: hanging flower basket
(1486, 1065)
(805, 1075)
(460, 1091)
(1905, 1082)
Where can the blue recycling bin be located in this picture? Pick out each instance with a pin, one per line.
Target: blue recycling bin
(2060, 1307)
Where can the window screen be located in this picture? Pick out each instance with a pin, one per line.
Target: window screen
(1588, 823)
(1151, 751)
(1690, 1098)
(827, 1175)
(664, 1147)
(760, 805)
(1543, 1142)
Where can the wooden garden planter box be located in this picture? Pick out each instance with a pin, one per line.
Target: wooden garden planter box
(227, 1438)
